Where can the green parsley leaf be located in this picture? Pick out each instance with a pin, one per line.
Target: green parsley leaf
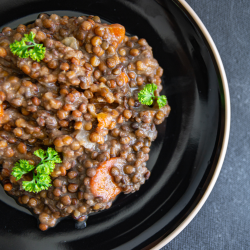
(44, 168)
(146, 96)
(37, 53)
(30, 186)
(161, 101)
(44, 180)
(22, 167)
(24, 49)
(40, 153)
(41, 180)
(30, 37)
(39, 183)
(53, 155)
(49, 159)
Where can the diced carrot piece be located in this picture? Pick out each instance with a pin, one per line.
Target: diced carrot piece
(124, 77)
(1, 110)
(118, 31)
(104, 120)
(102, 184)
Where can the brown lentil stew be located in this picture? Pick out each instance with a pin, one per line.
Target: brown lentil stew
(82, 100)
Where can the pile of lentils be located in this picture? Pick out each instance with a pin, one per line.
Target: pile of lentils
(89, 68)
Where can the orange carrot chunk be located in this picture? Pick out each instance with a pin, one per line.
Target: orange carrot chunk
(1, 110)
(124, 76)
(102, 184)
(104, 120)
(118, 32)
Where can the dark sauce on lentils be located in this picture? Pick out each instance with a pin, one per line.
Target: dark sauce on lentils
(81, 99)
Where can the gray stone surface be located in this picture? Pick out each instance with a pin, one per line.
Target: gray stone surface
(224, 220)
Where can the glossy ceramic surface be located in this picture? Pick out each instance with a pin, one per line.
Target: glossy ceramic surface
(182, 159)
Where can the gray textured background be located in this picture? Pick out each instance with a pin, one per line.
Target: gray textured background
(224, 220)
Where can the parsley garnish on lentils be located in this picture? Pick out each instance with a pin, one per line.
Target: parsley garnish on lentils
(28, 48)
(41, 177)
(146, 96)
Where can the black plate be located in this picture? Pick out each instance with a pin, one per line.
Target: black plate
(185, 154)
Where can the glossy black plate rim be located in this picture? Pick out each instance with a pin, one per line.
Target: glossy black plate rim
(164, 236)
(185, 7)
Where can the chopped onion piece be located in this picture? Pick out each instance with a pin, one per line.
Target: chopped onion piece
(83, 138)
(71, 42)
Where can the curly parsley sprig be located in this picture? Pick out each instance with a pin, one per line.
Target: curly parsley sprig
(28, 48)
(41, 178)
(146, 96)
